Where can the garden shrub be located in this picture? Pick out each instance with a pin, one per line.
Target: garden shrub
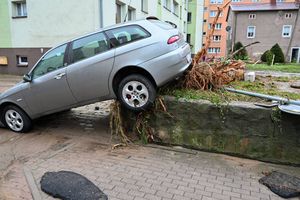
(263, 57)
(277, 51)
(269, 57)
(243, 54)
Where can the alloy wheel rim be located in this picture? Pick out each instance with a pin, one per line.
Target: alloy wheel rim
(135, 94)
(14, 120)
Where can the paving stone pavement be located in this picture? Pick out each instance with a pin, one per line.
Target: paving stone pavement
(153, 173)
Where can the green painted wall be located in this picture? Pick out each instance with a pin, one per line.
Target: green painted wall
(5, 33)
(191, 28)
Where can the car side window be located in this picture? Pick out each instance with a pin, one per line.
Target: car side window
(52, 61)
(127, 34)
(89, 46)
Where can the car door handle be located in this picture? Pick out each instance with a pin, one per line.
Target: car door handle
(59, 76)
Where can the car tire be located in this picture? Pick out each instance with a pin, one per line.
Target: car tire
(16, 119)
(136, 92)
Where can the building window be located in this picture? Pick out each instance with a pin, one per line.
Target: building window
(214, 50)
(188, 38)
(19, 9)
(216, 1)
(252, 16)
(251, 32)
(189, 17)
(119, 12)
(286, 31)
(175, 8)
(131, 14)
(217, 38)
(255, 1)
(167, 4)
(234, 1)
(288, 15)
(204, 33)
(145, 6)
(22, 61)
(212, 13)
(280, 1)
(205, 9)
(218, 26)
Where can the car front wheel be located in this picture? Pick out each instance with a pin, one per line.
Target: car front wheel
(16, 119)
(136, 92)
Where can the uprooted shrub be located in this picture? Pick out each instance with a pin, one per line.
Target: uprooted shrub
(209, 76)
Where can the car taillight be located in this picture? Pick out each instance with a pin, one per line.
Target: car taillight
(173, 39)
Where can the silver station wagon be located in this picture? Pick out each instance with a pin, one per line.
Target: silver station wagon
(127, 62)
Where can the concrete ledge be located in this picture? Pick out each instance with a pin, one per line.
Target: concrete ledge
(238, 128)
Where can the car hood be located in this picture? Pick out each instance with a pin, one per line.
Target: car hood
(11, 91)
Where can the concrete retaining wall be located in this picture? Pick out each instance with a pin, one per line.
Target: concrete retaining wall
(238, 128)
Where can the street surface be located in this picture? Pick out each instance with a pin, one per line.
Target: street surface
(80, 141)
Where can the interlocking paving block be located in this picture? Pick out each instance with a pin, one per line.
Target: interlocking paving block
(282, 184)
(70, 186)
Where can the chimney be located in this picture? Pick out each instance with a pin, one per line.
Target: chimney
(273, 2)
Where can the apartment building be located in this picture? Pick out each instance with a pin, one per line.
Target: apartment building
(218, 47)
(268, 23)
(195, 24)
(30, 27)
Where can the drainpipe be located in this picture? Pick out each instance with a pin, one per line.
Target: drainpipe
(101, 13)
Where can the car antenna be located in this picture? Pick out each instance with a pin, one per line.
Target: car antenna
(127, 12)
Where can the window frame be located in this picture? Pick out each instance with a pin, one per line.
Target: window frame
(15, 9)
(143, 8)
(109, 35)
(65, 60)
(189, 17)
(288, 15)
(213, 11)
(217, 36)
(254, 32)
(290, 31)
(19, 61)
(252, 16)
(70, 50)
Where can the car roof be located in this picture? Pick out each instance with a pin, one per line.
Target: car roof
(135, 22)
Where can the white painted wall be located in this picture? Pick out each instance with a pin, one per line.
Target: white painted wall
(55, 21)
(199, 26)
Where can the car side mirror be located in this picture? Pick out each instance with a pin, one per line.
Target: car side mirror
(27, 78)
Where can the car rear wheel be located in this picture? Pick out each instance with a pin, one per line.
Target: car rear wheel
(136, 92)
(16, 119)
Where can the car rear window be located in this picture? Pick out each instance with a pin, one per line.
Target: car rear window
(161, 24)
(127, 34)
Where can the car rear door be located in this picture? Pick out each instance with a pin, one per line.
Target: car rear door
(49, 91)
(92, 62)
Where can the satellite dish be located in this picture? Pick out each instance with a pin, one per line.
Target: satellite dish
(228, 28)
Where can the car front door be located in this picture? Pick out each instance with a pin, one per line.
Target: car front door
(92, 62)
(49, 91)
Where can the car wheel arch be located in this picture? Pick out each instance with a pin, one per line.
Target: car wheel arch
(8, 103)
(129, 70)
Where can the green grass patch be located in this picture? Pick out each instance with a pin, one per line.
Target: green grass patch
(223, 96)
(291, 68)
